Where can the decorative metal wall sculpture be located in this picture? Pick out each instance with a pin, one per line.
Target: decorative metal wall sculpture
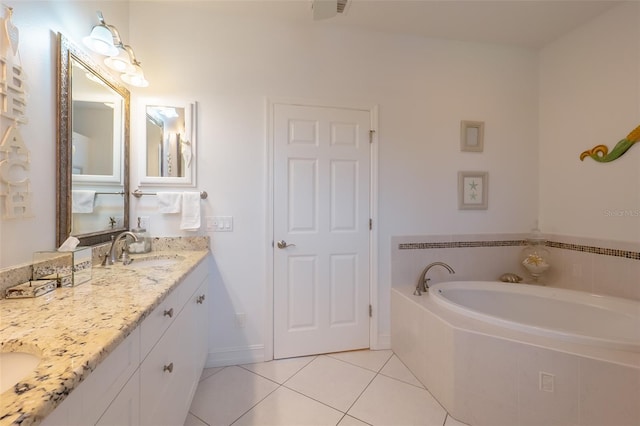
(601, 153)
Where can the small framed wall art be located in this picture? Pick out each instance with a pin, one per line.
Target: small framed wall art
(471, 136)
(473, 190)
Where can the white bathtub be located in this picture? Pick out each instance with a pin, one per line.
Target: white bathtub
(569, 315)
(512, 354)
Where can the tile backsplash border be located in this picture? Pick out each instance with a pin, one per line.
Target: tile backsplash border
(592, 265)
(18, 274)
(550, 242)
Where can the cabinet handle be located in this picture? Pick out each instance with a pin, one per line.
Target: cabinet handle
(168, 313)
(168, 368)
(200, 299)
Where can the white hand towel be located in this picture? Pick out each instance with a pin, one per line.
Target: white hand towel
(82, 201)
(190, 211)
(169, 202)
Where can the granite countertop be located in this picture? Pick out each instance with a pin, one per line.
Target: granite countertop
(74, 329)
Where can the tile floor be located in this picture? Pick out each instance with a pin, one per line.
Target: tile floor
(347, 389)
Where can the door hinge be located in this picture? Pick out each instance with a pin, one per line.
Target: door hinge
(370, 224)
(371, 133)
(370, 311)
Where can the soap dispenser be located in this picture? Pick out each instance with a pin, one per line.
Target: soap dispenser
(143, 245)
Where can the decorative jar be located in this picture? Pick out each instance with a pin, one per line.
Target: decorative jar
(535, 256)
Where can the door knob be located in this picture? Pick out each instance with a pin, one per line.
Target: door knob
(283, 244)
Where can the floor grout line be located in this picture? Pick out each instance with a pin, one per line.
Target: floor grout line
(258, 402)
(198, 418)
(311, 361)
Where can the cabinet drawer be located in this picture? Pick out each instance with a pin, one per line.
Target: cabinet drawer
(154, 326)
(192, 282)
(165, 376)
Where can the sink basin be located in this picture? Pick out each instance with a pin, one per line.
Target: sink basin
(14, 366)
(154, 262)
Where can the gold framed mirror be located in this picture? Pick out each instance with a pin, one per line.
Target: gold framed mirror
(93, 149)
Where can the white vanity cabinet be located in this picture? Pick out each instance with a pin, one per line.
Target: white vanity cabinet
(170, 372)
(151, 377)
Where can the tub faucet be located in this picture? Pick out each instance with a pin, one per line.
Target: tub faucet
(111, 258)
(423, 280)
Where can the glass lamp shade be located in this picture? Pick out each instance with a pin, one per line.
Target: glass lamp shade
(121, 62)
(135, 78)
(101, 41)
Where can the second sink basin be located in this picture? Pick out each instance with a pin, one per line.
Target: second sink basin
(14, 366)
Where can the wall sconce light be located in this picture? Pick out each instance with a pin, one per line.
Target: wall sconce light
(105, 40)
(122, 61)
(135, 78)
(101, 39)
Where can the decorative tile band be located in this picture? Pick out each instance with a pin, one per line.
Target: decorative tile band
(515, 243)
(595, 250)
(460, 244)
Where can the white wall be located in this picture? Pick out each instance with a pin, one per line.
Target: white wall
(588, 91)
(423, 88)
(590, 95)
(38, 23)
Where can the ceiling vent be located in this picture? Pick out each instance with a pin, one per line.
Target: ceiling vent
(325, 9)
(342, 6)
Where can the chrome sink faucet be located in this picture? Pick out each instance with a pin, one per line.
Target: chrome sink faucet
(423, 280)
(112, 258)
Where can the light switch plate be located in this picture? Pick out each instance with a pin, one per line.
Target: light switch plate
(220, 223)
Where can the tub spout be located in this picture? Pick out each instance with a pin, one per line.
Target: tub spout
(423, 280)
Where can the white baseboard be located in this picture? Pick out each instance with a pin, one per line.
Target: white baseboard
(235, 356)
(255, 353)
(383, 342)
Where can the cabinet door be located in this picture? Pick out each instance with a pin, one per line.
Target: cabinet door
(162, 378)
(89, 400)
(125, 408)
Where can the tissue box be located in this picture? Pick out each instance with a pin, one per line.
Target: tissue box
(53, 265)
(82, 265)
(69, 268)
(31, 289)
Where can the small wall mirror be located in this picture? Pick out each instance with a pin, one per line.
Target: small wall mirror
(168, 154)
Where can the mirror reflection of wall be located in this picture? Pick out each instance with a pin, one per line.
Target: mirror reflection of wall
(154, 146)
(92, 138)
(168, 150)
(96, 127)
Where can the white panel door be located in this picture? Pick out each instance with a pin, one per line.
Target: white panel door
(321, 227)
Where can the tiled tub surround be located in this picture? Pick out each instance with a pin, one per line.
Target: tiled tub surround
(596, 266)
(484, 374)
(74, 329)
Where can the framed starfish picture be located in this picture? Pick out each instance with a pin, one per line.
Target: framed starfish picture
(473, 190)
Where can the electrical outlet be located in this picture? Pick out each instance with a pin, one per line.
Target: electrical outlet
(144, 222)
(547, 382)
(241, 320)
